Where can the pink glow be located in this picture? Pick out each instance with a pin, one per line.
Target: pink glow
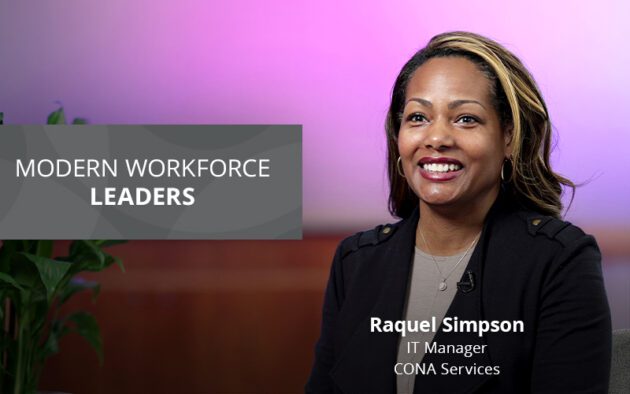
(327, 65)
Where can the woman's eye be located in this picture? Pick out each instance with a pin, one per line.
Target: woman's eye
(416, 118)
(467, 119)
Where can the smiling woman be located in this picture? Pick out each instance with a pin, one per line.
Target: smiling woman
(480, 240)
(449, 104)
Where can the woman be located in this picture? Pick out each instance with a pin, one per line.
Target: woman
(480, 247)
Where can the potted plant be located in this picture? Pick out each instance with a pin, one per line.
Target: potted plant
(33, 287)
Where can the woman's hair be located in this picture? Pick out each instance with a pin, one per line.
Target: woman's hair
(519, 105)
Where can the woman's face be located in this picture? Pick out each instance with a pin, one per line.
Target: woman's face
(450, 140)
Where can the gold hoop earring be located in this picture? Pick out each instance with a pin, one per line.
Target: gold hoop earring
(507, 160)
(399, 168)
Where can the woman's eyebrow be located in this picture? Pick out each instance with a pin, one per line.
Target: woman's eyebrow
(457, 103)
(451, 105)
(421, 101)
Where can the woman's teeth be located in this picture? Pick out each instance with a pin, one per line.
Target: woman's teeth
(434, 167)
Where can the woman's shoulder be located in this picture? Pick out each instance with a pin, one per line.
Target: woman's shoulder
(366, 239)
(548, 228)
(540, 248)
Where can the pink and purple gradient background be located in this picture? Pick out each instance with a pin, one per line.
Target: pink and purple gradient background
(328, 65)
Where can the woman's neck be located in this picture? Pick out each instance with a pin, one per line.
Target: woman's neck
(450, 230)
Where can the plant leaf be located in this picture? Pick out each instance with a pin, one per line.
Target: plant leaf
(50, 271)
(8, 279)
(104, 243)
(79, 121)
(88, 256)
(44, 248)
(77, 285)
(57, 117)
(52, 344)
(58, 329)
(1, 117)
(96, 251)
(113, 259)
(87, 327)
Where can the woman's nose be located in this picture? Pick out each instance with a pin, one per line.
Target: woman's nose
(438, 136)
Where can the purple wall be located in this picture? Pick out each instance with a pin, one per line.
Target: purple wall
(328, 65)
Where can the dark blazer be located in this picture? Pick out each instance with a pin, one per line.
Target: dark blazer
(526, 266)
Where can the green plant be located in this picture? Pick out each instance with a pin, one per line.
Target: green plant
(59, 117)
(33, 288)
(55, 117)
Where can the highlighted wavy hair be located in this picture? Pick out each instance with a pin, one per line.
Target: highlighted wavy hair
(520, 107)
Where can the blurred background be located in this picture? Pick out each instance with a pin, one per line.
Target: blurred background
(242, 317)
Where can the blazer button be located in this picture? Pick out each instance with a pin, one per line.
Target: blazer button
(536, 222)
(386, 230)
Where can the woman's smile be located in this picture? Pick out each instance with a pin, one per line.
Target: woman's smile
(440, 169)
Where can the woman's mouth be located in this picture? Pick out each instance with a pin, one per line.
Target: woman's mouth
(434, 167)
(439, 168)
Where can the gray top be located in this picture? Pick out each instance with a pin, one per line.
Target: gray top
(425, 300)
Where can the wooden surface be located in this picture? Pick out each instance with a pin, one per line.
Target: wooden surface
(201, 317)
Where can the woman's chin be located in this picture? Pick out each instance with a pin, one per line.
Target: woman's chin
(439, 200)
(438, 195)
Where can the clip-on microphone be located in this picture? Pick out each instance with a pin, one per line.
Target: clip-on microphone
(468, 285)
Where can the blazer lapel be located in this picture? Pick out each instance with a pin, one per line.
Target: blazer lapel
(367, 362)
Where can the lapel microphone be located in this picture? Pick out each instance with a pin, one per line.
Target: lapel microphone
(467, 285)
